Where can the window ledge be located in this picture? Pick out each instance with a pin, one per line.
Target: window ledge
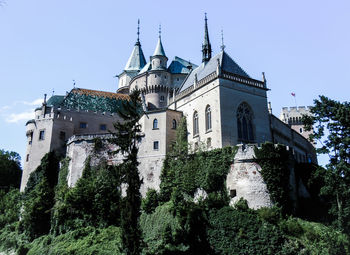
(208, 131)
(196, 135)
(155, 128)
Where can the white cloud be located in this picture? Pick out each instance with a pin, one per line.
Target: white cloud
(17, 117)
(38, 101)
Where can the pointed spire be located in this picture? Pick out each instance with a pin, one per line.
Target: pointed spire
(136, 60)
(159, 51)
(222, 40)
(206, 46)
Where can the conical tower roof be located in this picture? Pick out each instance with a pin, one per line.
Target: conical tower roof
(136, 60)
(159, 51)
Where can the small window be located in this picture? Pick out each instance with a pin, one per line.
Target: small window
(195, 124)
(27, 158)
(208, 142)
(174, 124)
(301, 130)
(155, 124)
(83, 125)
(165, 77)
(103, 127)
(208, 118)
(177, 79)
(156, 145)
(42, 135)
(155, 76)
(63, 135)
(161, 99)
(233, 193)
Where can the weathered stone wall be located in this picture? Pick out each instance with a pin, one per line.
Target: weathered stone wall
(245, 181)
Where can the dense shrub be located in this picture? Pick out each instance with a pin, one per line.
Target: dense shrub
(83, 241)
(239, 232)
(10, 170)
(10, 204)
(275, 163)
(93, 201)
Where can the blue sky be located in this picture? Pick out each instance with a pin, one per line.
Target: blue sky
(302, 46)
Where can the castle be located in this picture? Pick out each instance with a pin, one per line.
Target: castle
(223, 105)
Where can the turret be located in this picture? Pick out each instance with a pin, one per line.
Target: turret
(206, 46)
(135, 63)
(159, 59)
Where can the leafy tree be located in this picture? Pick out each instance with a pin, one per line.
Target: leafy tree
(10, 170)
(39, 197)
(127, 137)
(331, 122)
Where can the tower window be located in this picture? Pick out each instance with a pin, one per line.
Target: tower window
(245, 123)
(195, 124)
(301, 130)
(83, 125)
(62, 135)
(208, 118)
(156, 145)
(161, 99)
(42, 135)
(103, 127)
(155, 124)
(208, 142)
(27, 158)
(174, 124)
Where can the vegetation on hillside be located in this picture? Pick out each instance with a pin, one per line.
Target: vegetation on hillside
(190, 214)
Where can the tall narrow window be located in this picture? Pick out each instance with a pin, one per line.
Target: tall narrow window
(245, 128)
(208, 118)
(42, 135)
(155, 124)
(195, 124)
(161, 99)
(174, 124)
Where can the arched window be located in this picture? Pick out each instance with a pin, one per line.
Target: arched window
(245, 127)
(195, 124)
(161, 99)
(155, 124)
(208, 118)
(174, 124)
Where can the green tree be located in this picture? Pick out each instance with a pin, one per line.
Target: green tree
(10, 170)
(127, 137)
(39, 197)
(331, 123)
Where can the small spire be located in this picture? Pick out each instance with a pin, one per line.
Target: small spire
(222, 40)
(138, 30)
(206, 46)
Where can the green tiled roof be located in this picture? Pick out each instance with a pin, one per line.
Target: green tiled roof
(93, 100)
(55, 100)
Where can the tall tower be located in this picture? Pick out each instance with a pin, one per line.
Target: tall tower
(206, 46)
(135, 63)
(159, 59)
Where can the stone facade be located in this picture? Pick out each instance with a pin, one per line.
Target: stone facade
(223, 105)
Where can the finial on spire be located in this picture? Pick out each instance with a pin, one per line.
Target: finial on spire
(206, 46)
(138, 30)
(74, 84)
(222, 40)
(53, 91)
(160, 30)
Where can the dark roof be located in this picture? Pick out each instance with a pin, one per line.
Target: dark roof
(55, 100)
(179, 65)
(226, 63)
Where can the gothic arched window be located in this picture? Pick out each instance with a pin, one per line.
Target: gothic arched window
(195, 124)
(155, 124)
(174, 124)
(208, 118)
(245, 128)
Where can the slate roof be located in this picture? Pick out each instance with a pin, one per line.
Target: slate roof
(92, 100)
(55, 101)
(145, 68)
(136, 60)
(226, 63)
(179, 65)
(159, 51)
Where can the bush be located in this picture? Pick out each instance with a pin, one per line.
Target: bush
(150, 202)
(238, 232)
(10, 205)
